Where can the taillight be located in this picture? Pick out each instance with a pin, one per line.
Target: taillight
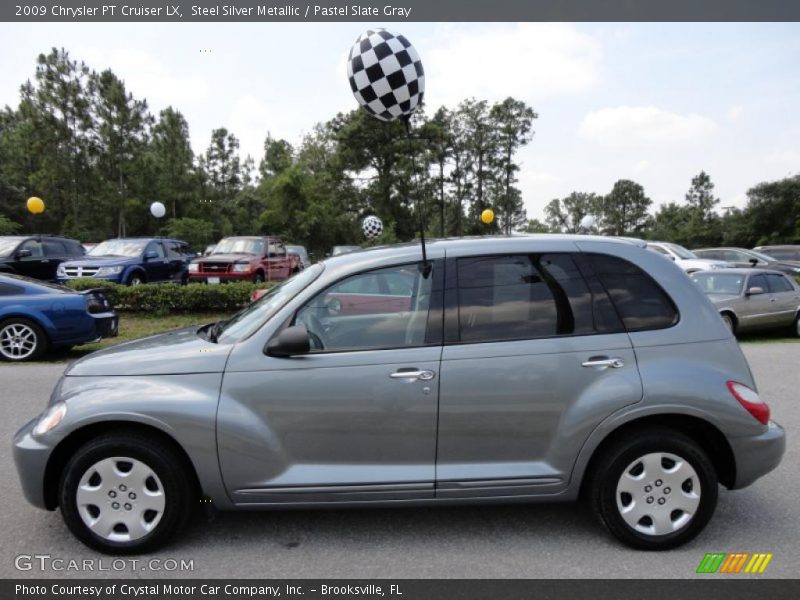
(750, 400)
(97, 303)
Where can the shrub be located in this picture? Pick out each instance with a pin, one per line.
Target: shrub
(172, 297)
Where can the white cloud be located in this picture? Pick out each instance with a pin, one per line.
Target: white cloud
(735, 112)
(530, 61)
(147, 76)
(625, 126)
(784, 158)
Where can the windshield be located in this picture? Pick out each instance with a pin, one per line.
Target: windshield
(247, 321)
(680, 251)
(719, 283)
(131, 248)
(760, 256)
(240, 246)
(7, 245)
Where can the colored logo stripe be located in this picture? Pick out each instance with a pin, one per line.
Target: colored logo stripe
(721, 562)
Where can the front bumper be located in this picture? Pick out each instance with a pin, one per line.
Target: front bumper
(222, 277)
(30, 458)
(757, 455)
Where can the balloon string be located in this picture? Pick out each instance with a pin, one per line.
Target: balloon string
(425, 267)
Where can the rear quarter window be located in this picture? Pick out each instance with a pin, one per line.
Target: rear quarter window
(640, 302)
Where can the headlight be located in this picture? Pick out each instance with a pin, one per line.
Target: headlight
(61, 271)
(243, 268)
(194, 267)
(109, 270)
(50, 419)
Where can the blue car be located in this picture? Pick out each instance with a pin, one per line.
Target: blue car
(36, 316)
(131, 261)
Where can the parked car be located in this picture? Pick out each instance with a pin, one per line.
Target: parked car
(740, 257)
(132, 261)
(685, 259)
(337, 250)
(301, 256)
(243, 258)
(522, 368)
(36, 256)
(787, 253)
(753, 299)
(88, 246)
(36, 316)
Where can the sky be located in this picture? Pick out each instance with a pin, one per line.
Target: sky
(656, 103)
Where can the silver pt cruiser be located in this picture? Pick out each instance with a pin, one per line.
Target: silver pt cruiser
(522, 369)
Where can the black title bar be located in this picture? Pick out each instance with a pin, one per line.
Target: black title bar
(400, 10)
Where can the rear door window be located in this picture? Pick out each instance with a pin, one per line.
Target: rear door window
(527, 296)
(54, 248)
(640, 302)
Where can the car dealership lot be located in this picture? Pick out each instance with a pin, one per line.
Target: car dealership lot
(492, 541)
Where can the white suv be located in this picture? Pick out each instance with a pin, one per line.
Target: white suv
(685, 259)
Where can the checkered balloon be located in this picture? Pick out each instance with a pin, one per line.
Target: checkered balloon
(386, 75)
(372, 227)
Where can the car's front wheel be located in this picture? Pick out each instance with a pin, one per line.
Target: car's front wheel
(654, 490)
(21, 339)
(125, 493)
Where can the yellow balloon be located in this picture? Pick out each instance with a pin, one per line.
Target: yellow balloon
(487, 216)
(35, 205)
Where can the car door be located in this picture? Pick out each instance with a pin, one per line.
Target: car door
(55, 252)
(534, 358)
(277, 261)
(32, 262)
(759, 308)
(158, 268)
(352, 420)
(785, 298)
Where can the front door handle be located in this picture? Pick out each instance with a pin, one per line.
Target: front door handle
(603, 362)
(413, 375)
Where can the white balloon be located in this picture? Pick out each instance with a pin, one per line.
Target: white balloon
(588, 222)
(158, 210)
(372, 227)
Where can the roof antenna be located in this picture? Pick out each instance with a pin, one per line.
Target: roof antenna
(425, 266)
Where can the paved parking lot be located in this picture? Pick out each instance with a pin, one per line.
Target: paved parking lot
(506, 541)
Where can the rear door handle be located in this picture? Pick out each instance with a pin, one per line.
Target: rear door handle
(413, 375)
(601, 362)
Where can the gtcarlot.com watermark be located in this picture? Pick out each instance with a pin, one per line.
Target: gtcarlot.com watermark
(48, 562)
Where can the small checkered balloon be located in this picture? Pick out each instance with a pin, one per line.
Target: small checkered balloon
(372, 227)
(386, 75)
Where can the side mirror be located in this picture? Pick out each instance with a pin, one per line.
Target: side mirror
(292, 340)
(672, 258)
(755, 291)
(150, 255)
(753, 262)
(24, 254)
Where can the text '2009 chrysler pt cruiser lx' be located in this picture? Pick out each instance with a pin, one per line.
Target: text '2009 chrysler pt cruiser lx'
(541, 368)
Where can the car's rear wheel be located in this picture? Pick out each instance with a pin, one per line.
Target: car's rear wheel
(654, 490)
(125, 493)
(21, 339)
(258, 277)
(796, 326)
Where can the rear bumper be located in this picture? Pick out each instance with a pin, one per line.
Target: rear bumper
(758, 455)
(106, 324)
(223, 277)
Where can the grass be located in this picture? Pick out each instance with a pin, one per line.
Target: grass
(133, 326)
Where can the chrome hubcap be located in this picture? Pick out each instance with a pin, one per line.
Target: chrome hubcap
(658, 493)
(120, 499)
(17, 341)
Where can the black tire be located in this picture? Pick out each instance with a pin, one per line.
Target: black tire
(178, 490)
(796, 326)
(32, 331)
(258, 277)
(136, 278)
(729, 322)
(614, 462)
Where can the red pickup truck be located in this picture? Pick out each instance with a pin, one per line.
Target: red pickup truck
(244, 258)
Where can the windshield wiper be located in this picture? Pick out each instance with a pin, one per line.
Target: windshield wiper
(216, 329)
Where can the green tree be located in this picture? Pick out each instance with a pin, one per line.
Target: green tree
(512, 121)
(173, 160)
(625, 209)
(7, 226)
(195, 232)
(774, 211)
(565, 215)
